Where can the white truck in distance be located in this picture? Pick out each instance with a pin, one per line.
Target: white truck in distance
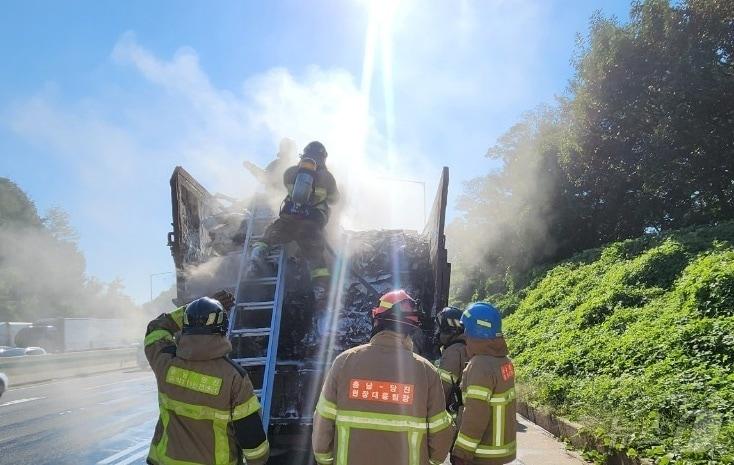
(74, 334)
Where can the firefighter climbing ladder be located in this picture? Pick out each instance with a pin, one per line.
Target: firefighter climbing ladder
(256, 299)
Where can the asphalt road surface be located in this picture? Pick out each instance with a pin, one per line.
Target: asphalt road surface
(104, 419)
(108, 419)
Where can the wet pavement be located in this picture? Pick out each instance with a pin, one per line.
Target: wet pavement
(108, 419)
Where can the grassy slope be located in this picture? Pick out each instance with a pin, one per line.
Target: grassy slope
(636, 341)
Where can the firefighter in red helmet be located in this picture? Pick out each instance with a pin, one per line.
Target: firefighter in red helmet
(382, 403)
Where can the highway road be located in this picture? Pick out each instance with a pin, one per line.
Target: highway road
(105, 419)
(108, 419)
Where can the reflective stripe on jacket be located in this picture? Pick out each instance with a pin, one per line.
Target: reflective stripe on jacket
(209, 414)
(381, 403)
(487, 429)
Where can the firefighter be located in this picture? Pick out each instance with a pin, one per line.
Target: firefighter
(382, 403)
(303, 216)
(452, 343)
(487, 428)
(208, 411)
(272, 175)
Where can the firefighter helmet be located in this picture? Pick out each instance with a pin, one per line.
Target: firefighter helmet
(397, 308)
(205, 316)
(482, 321)
(316, 151)
(449, 320)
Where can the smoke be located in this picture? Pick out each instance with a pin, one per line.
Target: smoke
(507, 216)
(44, 277)
(226, 127)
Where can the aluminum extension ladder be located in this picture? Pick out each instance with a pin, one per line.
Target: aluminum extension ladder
(255, 320)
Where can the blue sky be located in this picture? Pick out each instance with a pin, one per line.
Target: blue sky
(99, 101)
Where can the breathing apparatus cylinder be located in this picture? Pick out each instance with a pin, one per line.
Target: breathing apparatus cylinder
(303, 186)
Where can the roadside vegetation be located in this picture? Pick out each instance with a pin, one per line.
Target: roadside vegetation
(635, 341)
(641, 141)
(605, 234)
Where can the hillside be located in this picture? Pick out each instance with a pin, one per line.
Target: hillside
(636, 341)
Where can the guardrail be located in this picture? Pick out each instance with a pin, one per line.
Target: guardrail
(26, 369)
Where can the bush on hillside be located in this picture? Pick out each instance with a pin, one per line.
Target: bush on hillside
(638, 345)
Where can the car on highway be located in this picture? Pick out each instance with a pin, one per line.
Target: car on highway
(18, 351)
(4, 383)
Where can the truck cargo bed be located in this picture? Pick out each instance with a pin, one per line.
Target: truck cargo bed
(385, 259)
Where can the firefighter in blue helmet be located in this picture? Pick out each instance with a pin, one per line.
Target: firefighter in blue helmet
(487, 428)
(208, 411)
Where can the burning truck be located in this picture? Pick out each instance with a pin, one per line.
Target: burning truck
(275, 335)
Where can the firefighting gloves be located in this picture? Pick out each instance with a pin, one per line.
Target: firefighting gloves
(225, 298)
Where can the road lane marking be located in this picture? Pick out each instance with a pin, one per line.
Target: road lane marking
(20, 401)
(115, 401)
(132, 458)
(122, 453)
(49, 382)
(139, 378)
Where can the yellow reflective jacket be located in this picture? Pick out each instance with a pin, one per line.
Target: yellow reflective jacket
(209, 414)
(487, 428)
(381, 403)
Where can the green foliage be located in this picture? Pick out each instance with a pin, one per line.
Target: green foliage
(640, 143)
(16, 209)
(709, 288)
(637, 345)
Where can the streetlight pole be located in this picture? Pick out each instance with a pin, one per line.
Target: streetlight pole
(151, 281)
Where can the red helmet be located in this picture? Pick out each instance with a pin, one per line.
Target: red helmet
(397, 306)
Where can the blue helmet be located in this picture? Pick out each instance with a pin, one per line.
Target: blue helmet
(482, 321)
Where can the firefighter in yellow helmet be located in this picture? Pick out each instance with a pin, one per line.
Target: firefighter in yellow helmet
(382, 403)
(487, 429)
(209, 414)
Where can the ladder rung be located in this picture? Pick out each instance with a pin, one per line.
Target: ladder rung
(267, 305)
(270, 280)
(258, 392)
(251, 332)
(251, 361)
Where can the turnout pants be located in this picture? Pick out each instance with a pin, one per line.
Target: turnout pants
(310, 238)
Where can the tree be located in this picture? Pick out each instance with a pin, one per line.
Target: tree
(57, 223)
(642, 142)
(43, 273)
(16, 209)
